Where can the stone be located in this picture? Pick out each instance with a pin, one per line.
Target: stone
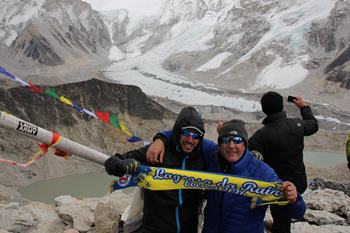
(71, 230)
(320, 217)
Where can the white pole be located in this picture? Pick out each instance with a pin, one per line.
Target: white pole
(44, 136)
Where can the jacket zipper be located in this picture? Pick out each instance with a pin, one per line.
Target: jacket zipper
(177, 210)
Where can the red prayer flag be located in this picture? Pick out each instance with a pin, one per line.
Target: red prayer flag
(103, 116)
(34, 88)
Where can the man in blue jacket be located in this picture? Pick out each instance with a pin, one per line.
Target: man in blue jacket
(227, 212)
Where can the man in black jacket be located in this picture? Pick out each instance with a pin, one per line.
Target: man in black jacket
(171, 211)
(281, 143)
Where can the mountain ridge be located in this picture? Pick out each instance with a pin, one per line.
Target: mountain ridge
(142, 116)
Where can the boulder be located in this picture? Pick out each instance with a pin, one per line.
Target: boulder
(34, 217)
(8, 195)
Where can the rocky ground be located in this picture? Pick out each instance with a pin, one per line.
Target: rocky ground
(328, 212)
(337, 174)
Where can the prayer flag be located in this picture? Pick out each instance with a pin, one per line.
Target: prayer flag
(5, 72)
(34, 88)
(23, 83)
(89, 113)
(103, 116)
(65, 100)
(77, 107)
(124, 128)
(114, 121)
(134, 139)
(52, 93)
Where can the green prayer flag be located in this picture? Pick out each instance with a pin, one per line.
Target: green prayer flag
(52, 93)
(114, 121)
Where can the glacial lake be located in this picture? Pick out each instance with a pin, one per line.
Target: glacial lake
(97, 184)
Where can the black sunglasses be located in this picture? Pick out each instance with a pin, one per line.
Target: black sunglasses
(187, 133)
(234, 139)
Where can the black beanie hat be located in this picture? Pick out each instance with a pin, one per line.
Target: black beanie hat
(233, 127)
(271, 103)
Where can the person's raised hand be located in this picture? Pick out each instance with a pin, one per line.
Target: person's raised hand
(299, 102)
(219, 125)
(155, 152)
(289, 191)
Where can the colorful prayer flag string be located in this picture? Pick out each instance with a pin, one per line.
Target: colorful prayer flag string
(103, 116)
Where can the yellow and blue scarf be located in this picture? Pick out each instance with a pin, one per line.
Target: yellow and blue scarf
(158, 178)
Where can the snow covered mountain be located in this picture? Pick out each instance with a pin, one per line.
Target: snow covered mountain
(43, 35)
(248, 46)
(204, 52)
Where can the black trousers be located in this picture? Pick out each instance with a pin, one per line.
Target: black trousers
(281, 222)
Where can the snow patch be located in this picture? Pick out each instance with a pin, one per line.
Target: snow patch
(115, 54)
(134, 48)
(280, 76)
(292, 23)
(11, 38)
(331, 119)
(215, 62)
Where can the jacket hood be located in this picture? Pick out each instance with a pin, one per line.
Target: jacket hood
(274, 117)
(187, 117)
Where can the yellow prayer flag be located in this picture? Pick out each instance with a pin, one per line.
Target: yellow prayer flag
(124, 128)
(66, 101)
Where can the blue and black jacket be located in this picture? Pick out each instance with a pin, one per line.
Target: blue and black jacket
(228, 212)
(174, 211)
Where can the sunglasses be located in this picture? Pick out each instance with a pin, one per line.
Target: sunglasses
(234, 139)
(187, 133)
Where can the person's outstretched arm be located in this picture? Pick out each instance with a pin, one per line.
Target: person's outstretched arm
(310, 122)
(155, 153)
(119, 165)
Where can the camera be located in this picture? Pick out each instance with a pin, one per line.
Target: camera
(291, 98)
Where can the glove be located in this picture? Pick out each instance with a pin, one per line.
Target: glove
(258, 155)
(130, 165)
(119, 167)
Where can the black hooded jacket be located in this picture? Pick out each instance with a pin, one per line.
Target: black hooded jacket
(281, 142)
(168, 211)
